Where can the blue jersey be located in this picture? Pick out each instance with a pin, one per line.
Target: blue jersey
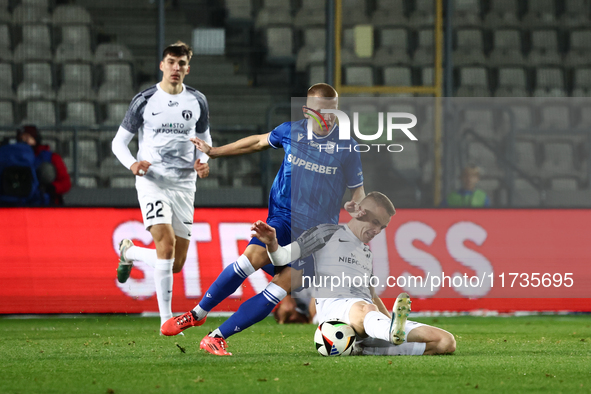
(311, 182)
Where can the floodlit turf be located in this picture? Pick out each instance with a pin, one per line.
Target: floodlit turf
(125, 354)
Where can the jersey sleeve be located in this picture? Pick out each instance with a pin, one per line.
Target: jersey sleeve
(315, 238)
(202, 125)
(134, 118)
(353, 170)
(278, 136)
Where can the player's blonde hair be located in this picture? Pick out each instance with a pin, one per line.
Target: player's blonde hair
(178, 49)
(383, 201)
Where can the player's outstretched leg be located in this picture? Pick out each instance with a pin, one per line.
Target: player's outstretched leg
(215, 345)
(125, 265)
(400, 313)
(177, 325)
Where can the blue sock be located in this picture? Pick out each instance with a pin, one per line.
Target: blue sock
(253, 310)
(226, 283)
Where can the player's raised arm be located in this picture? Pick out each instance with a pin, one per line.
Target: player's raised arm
(250, 144)
(279, 255)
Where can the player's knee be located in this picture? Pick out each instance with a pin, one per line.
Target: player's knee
(368, 308)
(447, 344)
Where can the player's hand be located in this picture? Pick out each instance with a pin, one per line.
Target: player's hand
(140, 168)
(201, 145)
(354, 209)
(265, 233)
(201, 168)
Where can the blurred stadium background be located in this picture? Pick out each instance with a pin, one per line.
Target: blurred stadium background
(71, 67)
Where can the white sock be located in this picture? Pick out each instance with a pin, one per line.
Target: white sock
(377, 325)
(245, 266)
(163, 280)
(274, 293)
(201, 313)
(146, 255)
(377, 347)
(217, 333)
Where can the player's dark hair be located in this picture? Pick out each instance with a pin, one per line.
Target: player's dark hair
(383, 201)
(178, 49)
(322, 90)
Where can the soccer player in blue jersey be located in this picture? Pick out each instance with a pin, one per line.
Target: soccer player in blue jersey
(307, 191)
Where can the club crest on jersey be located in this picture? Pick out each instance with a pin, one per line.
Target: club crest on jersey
(187, 114)
(173, 103)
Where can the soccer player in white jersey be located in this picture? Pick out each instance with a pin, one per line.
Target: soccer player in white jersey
(164, 117)
(343, 251)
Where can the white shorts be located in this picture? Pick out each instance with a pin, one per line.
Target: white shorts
(339, 308)
(160, 206)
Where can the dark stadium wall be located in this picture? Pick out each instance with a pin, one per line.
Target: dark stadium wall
(64, 260)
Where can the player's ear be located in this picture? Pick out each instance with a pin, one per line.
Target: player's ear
(161, 65)
(305, 112)
(188, 68)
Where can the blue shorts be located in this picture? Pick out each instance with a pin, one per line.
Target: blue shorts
(285, 236)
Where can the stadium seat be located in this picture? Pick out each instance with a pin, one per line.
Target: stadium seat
(115, 114)
(111, 53)
(238, 10)
(313, 50)
(75, 45)
(87, 155)
(35, 3)
(80, 113)
(312, 13)
(34, 91)
(274, 12)
(354, 12)
(507, 48)
(555, 117)
(481, 121)
(549, 83)
(469, 48)
(348, 52)
(122, 182)
(316, 74)
(526, 158)
(482, 156)
(558, 159)
(423, 14)
(6, 113)
(503, 13)
(576, 14)
(397, 76)
(522, 114)
(38, 72)
(466, 13)
(393, 48)
(408, 159)
(580, 49)
(40, 113)
(279, 42)
(5, 16)
(5, 44)
(358, 75)
(427, 77)
(544, 49)
(525, 194)
(389, 13)
(77, 73)
(71, 14)
(6, 82)
(540, 13)
(77, 83)
(473, 82)
(23, 14)
(511, 83)
(564, 184)
(109, 92)
(582, 82)
(87, 182)
(424, 54)
(119, 73)
(25, 52)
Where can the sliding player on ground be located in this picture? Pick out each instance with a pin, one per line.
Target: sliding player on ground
(343, 251)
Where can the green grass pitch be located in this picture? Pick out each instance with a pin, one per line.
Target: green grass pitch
(125, 354)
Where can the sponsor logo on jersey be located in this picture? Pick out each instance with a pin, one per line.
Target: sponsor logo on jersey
(173, 104)
(187, 115)
(172, 128)
(308, 165)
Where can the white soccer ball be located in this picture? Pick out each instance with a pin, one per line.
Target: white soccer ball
(334, 338)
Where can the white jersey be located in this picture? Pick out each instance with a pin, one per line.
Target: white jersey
(340, 254)
(164, 123)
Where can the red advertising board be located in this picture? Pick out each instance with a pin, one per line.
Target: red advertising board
(64, 260)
